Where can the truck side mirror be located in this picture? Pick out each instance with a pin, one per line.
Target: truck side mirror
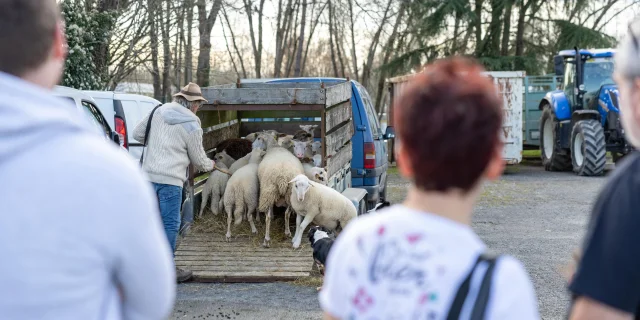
(390, 133)
(558, 63)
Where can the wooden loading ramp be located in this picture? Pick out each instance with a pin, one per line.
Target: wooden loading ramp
(212, 259)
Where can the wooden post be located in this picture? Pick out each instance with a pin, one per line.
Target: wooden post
(323, 136)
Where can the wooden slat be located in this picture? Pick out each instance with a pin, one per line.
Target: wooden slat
(261, 107)
(278, 96)
(338, 138)
(270, 85)
(213, 138)
(288, 127)
(240, 277)
(279, 114)
(210, 258)
(336, 162)
(338, 114)
(247, 268)
(338, 93)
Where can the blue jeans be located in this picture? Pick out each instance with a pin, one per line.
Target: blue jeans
(169, 200)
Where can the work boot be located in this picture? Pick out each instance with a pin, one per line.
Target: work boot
(183, 275)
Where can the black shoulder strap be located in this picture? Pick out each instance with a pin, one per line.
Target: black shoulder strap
(482, 298)
(146, 133)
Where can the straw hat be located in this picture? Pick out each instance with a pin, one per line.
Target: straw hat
(191, 92)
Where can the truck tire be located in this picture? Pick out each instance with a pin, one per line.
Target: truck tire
(553, 157)
(588, 148)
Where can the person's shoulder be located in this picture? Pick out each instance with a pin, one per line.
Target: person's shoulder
(513, 291)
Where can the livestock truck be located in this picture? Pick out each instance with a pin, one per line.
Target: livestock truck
(353, 151)
(509, 85)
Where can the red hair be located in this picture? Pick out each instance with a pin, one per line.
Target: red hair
(448, 120)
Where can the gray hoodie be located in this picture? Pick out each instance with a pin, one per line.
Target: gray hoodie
(175, 141)
(80, 231)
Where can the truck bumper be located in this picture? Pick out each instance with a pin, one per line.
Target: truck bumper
(373, 193)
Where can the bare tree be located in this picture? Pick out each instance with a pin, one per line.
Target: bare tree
(153, 35)
(303, 21)
(354, 57)
(188, 50)
(334, 63)
(388, 50)
(368, 66)
(166, 51)
(314, 24)
(283, 27)
(257, 46)
(233, 40)
(205, 25)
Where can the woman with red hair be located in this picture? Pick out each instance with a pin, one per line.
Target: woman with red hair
(421, 259)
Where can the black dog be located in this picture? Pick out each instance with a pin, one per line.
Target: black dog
(321, 240)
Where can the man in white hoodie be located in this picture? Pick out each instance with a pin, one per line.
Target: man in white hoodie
(175, 140)
(80, 232)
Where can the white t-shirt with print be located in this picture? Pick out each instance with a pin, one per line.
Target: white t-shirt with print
(399, 263)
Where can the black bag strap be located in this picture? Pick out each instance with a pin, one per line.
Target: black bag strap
(482, 299)
(146, 133)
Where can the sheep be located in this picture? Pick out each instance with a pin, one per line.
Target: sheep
(224, 158)
(265, 141)
(320, 204)
(317, 160)
(316, 147)
(286, 141)
(252, 136)
(310, 128)
(241, 194)
(214, 188)
(240, 163)
(302, 135)
(302, 149)
(315, 174)
(236, 148)
(275, 171)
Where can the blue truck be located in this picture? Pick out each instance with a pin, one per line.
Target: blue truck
(578, 119)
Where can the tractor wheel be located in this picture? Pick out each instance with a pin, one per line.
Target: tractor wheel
(553, 157)
(588, 148)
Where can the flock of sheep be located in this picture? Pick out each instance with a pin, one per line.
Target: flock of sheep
(267, 169)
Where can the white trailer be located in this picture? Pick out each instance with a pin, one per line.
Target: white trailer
(510, 85)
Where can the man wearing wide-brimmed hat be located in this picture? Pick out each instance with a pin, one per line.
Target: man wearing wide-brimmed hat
(175, 141)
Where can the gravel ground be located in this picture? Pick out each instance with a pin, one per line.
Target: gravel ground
(539, 217)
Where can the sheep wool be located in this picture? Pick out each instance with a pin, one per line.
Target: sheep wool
(214, 188)
(236, 148)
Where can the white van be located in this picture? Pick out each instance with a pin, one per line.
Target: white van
(124, 111)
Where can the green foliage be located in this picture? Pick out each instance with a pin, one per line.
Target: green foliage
(84, 31)
(571, 35)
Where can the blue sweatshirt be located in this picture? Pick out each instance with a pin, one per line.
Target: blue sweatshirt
(80, 231)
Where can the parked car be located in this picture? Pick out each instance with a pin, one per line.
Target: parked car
(87, 106)
(123, 111)
(369, 147)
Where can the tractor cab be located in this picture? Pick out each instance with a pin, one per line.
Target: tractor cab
(580, 122)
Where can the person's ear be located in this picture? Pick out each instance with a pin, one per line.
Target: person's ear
(496, 165)
(403, 161)
(60, 46)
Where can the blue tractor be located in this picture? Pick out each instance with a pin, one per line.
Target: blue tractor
(581, 121)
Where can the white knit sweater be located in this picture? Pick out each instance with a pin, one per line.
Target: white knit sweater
(176, 140)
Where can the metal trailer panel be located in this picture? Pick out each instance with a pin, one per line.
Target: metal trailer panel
(536, 87)
(510, 85)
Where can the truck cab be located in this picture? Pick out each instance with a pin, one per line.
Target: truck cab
(369, 146)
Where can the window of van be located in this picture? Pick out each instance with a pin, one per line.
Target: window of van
(371, 114)
(133, 115)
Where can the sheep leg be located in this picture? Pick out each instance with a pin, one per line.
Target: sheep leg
(287, 228)
(298, 238)
(229, 225)
(250, 210)
(205, 198)
(267, 222)
(258, 217)
(298, 221)
(215, 202)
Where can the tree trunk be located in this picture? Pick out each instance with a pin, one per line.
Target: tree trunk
(226, 42)
(366, 71)
(233, 41)
(257, 45)
(456, 27)
(354, 58)
(292, 39)
(303, 22)
(506, 34)
(331, 47)
(388, 50)
(179, 47)
(153, 37)
(520, 29)
(205, 24)
(339, 49)
(166, 52)
(282, 26)
(478, 26)
(188, 50)
(311, 32)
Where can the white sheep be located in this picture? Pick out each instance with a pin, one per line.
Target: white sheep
(317, 160)
(310, 128)
(275, 171)
(321, 204)
(241, 194)
(252, 136)
(264, 141)
(223, 157)
(315, 174)
(316, 147)
(302, 149)
(214, 187)
(240, 163)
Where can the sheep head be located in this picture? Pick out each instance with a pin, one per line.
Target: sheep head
(309, 128)
(301, 184)
(285, 142)
(320, 175)
(256, 155)
(222, 158)
(316, 147)
(317, 160)
(301, 148)
(264, 141)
